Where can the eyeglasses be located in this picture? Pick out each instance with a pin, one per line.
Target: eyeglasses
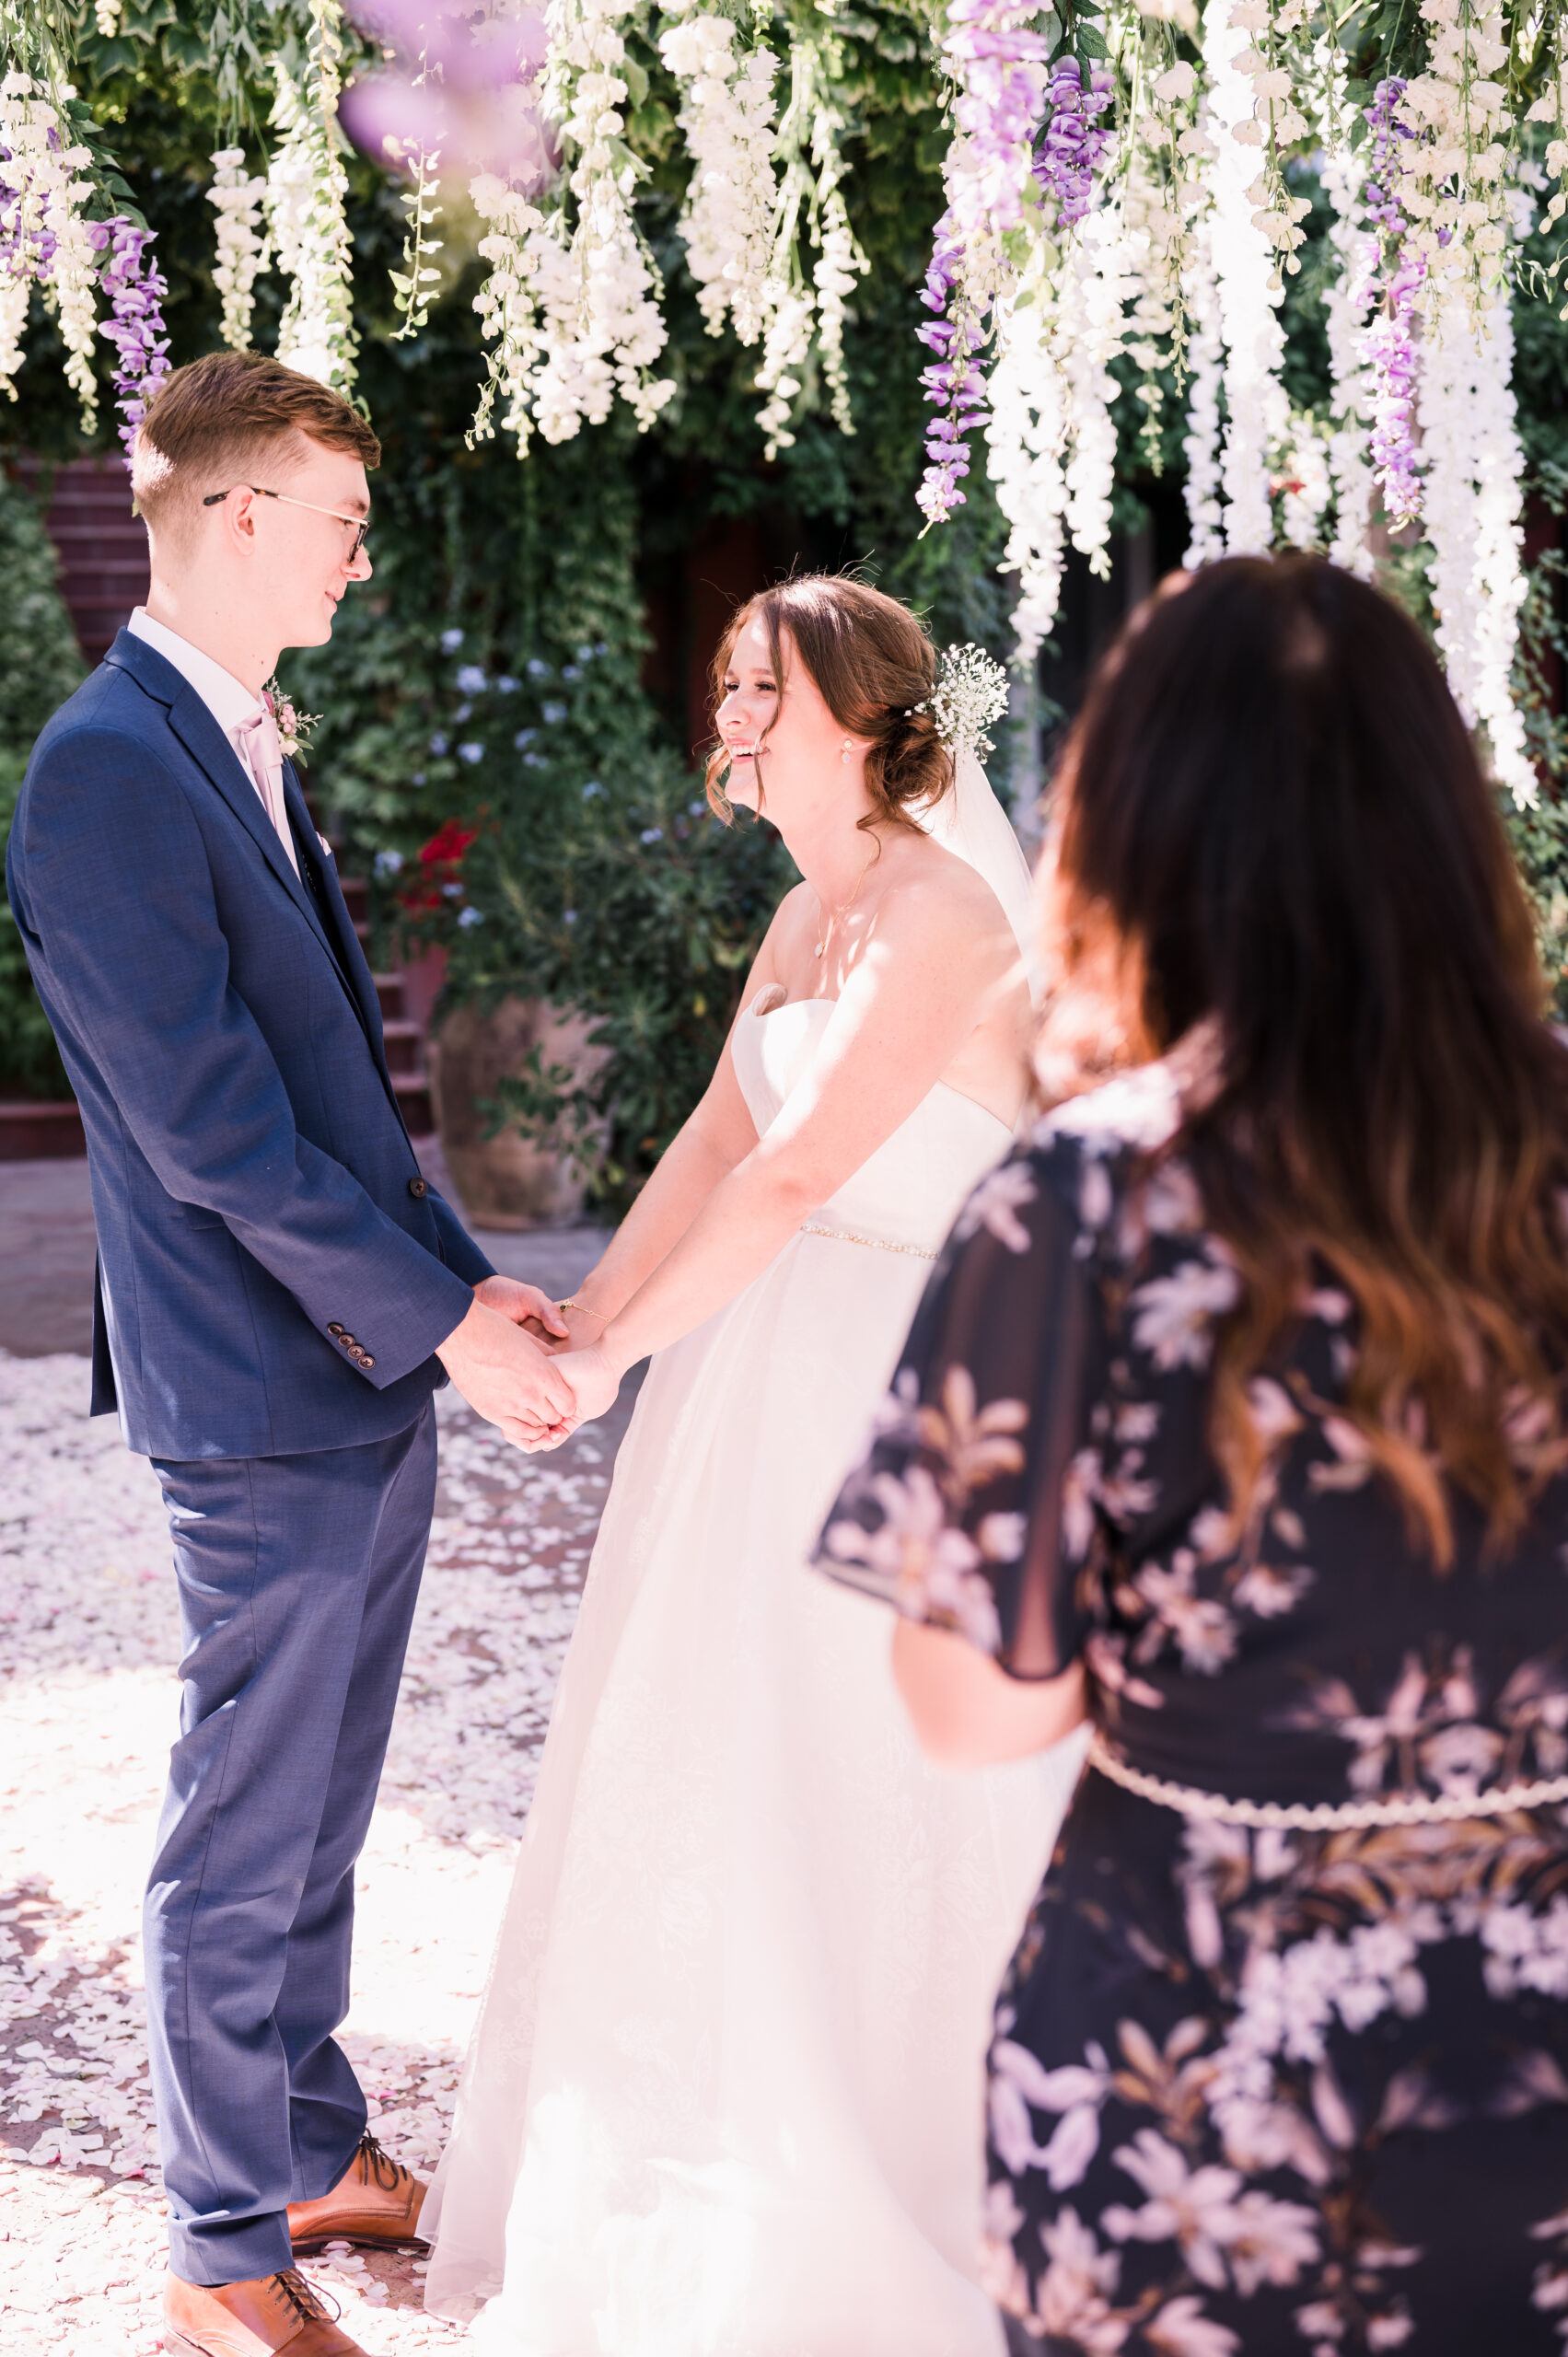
(361, 525)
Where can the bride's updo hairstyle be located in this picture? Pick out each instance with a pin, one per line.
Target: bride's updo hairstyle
(1273, 830)
(874, 668)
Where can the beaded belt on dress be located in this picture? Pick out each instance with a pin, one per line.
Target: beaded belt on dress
(1326, 1816)
(876, 1243)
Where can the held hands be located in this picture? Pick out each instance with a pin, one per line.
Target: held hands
(503, 1373)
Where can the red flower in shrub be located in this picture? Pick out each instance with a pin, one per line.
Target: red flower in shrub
(440, 861)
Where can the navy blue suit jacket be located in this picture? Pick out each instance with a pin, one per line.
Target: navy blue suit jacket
(275, 1275)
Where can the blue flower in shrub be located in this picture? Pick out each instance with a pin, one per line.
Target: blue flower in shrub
(652, 835)
(387, 863)
(585, 654)
(463, 712)
(551, 712)
(438, 742)
(524, 737)
(568, 916)
(450, 640)
(505, 685)
(592, 787)
(470, 679)
(570, 671)
(470, 752)
(536, 669)
(471, 916)
(418, 778)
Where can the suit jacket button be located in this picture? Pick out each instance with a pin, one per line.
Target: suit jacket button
(366, 1359)
(348, 1341)
(336, 1332)
(418, 1189)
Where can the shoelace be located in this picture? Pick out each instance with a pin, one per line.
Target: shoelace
(374, 2161)
(292, 2289)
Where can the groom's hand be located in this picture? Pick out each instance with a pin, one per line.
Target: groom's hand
(507, 1378)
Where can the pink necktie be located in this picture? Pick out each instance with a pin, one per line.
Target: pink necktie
(263, 758)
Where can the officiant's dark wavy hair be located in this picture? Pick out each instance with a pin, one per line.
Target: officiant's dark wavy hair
(874, 667)
(1271, 807)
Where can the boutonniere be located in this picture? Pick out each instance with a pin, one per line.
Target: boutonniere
(295, 729)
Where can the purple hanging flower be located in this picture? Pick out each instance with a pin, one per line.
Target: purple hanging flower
(136, 290)
(1073, 145)
(1003, 92)
(1391, 344)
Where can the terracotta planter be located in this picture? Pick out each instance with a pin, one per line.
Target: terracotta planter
(510, 1181)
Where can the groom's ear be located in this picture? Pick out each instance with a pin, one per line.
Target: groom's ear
(218, 423)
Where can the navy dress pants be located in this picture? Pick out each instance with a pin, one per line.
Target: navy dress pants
(298, 1581)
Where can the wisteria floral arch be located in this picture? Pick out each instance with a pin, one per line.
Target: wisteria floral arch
(1121, 187)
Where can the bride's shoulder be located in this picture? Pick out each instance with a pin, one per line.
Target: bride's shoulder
(927, 889)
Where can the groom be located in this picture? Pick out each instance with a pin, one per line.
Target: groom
(279, 1291)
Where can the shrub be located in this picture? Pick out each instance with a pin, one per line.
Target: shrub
(42, 666)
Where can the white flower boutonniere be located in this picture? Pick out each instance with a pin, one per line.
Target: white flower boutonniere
(295, 729)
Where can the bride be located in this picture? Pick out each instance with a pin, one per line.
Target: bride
(724, 2096)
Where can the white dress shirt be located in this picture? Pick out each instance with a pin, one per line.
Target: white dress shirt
(231, 703)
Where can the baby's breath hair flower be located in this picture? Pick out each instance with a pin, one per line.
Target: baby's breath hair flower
(971, 692)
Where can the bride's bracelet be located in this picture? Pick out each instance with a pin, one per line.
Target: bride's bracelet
(562, 1306)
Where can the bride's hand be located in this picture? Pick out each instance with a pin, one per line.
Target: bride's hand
(594, 1378)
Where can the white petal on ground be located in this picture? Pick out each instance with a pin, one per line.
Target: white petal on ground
(87, 1709)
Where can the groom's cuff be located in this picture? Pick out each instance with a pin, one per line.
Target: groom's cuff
(403, 1327)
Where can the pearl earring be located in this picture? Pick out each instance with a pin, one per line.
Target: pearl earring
(848, 749)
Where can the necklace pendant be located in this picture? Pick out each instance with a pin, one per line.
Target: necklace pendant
(821, 947)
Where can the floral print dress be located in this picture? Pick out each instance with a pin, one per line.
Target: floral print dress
(1261, 2090)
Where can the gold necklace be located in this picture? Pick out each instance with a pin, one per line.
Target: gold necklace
(843, 907)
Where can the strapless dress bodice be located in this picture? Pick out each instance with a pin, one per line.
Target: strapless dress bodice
(910, 1189)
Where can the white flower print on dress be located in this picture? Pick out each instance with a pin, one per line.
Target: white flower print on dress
(996, 1204)
(922, 1562)
(1181, 2330)
(1175, 1315)
(1073, 2302)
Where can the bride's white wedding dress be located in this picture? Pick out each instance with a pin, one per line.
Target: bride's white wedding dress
(724, 2097)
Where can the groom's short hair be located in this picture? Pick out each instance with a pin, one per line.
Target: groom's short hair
(224, 420)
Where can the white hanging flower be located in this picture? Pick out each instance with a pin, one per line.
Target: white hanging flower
(1051, 437)
(1473, 511)
(236, 197)
(1025, 436)
(15, 288)
(106, 15)
(1456, 109)
(1098, 281)
(785, 351)
(519, 249)
(1346, 302)
(1304, 485)
(727, 112)
(1205, 360)
(305, 189)
(45, 232)
(615, 331)
(1249, 288)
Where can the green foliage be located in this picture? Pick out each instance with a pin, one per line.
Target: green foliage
(41, 668)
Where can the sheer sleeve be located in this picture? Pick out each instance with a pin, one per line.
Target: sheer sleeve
(970, 1508)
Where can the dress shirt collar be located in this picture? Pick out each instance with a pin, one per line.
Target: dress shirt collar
(230, 703)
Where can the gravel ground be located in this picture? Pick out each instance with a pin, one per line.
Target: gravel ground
(88, 1705)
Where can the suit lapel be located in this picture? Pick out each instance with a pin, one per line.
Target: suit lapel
(350, 959)
(192, 722)
(210, 749)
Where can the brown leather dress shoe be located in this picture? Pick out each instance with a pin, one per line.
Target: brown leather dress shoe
(374, 2203)
(253, 2320)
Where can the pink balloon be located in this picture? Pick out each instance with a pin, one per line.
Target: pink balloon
(477, 105)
